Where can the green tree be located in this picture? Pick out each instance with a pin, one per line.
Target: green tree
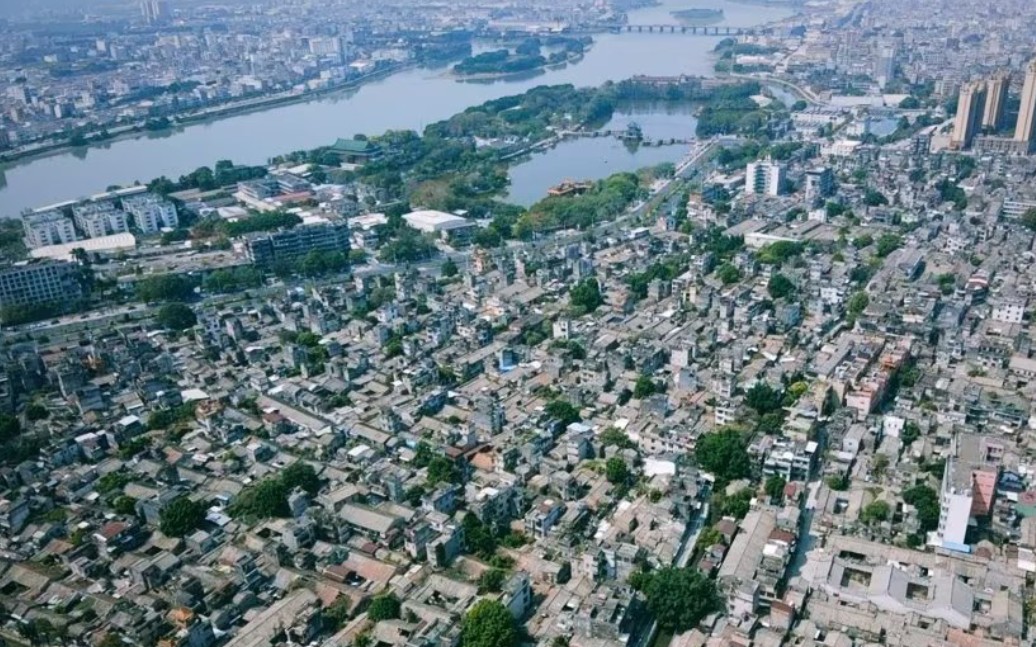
(488, 624)
(585, 297)
(10, 428)
(644, 387)
(1028, 219)
(302, 475)
(449, 268)
(492, 581)
(857, 303)
(728, 274)
(383, 607)
(562, 411)
(875, 512)
(775, 487)
(926, 501)
(780, 286)
(680, 598)
(36, 411)
(838, 482)
(887, 243)
(617, 437)
(176, 316)
(616, 471)
(125, 505)
(268, 498)
(442, 470)
(763, 398)
(165, 287)
(724, 454)
(911, 432)
(181, 516)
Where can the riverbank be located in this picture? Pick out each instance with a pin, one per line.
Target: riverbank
(140, 130)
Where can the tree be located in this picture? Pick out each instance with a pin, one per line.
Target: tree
(181, 516)
(763, 398)
(926, 501)
(488, 624)
(563, 412)
(887, 243)
(838, 482)
(302, 475)
(644, 387)
(874, 198)
(585, 296)
(780, 286)
(880, 464)
(442, 470)
(36, 411)
(176, 316)
(857, 303)
(875, 512)
(679, 598)
(1028, 219)
(449, 268)
(616, 471)
(164, 287)
(911, 432)
(383, 607)
(125, 505)
(9, 427)
(728, 274)
(617, 437)
(775, 487)
(492, 581)
(724, 454)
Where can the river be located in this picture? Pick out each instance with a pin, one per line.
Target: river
(410, 99)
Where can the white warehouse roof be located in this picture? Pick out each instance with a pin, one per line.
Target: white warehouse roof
(434, 221)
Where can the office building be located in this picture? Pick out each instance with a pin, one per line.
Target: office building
(151, 213)
(266, 250)
(97, 219)
(50, 227)
(885, 65)
(968, 487)
(969, 115)
(39, 282)
(154, 11)
(819, 184)
(765, 178)
(1026, 126)
(996, 100)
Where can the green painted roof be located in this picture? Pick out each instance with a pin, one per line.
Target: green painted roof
(352, 145)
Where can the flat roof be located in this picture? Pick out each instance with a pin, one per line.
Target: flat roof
(430, 220)
(63, 251)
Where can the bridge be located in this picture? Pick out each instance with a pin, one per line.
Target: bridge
(685, 30)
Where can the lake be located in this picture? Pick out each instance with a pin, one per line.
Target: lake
(410, 99)
(595, 158)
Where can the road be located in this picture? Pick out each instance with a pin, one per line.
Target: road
(807, 95)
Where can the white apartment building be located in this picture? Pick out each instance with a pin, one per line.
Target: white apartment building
(44, 228)
(1008, 310)
(765, 178)
(97, 219)
(151, 213)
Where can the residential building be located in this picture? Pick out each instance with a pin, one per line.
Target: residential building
(1025, 128)
(97, 219)
(265, 250)
(39, 282)
(765, 178)
(45, 228)
(151, 213)
(970, 107)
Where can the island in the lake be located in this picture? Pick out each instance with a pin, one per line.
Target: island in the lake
(529, 55)
(698, 16)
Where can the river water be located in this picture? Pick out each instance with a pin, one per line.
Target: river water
(410, 99)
